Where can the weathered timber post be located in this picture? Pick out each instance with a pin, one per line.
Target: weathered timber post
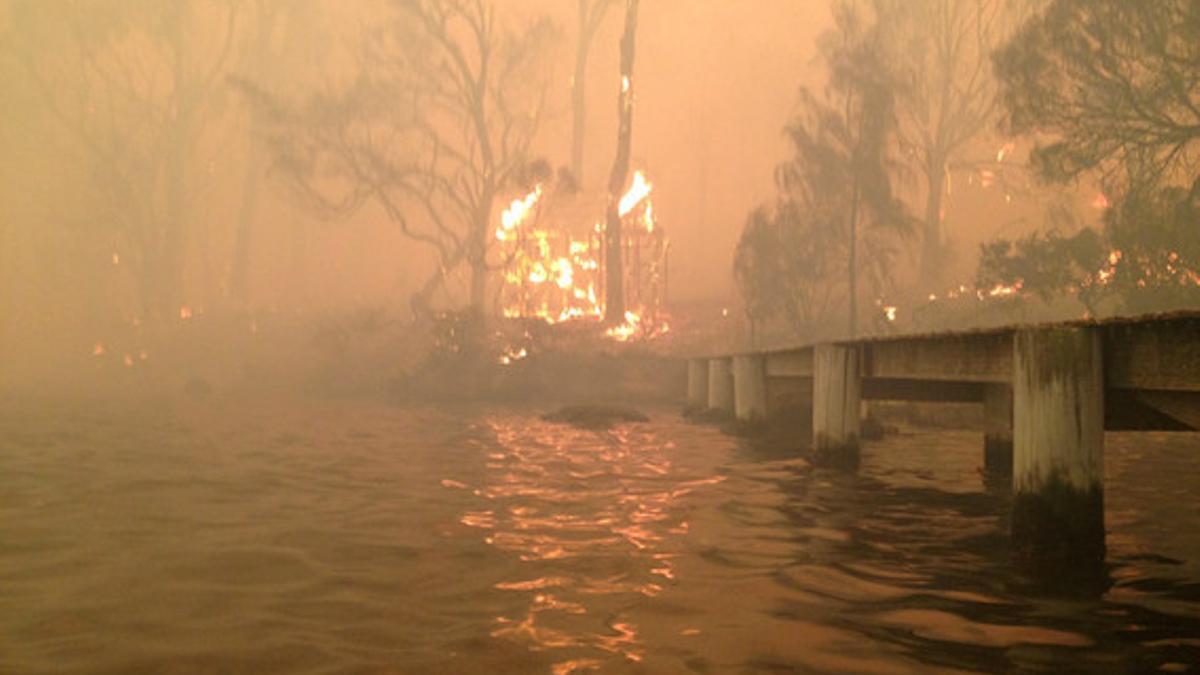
(697, 387)
(837, 392)
(750, 387)
(1058, 439)
(998, 429)
(720, 385)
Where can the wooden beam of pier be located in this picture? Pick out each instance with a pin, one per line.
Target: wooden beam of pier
(1151, 368)
(1160, 354)
(963, 357)
(1156, 354)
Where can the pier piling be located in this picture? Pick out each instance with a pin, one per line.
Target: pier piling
(750, 387)
(837, 393)
(697, 391)
(1058, 439)
(720, 385)
(998, 429)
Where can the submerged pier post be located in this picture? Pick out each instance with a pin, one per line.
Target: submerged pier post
(1058, 438)
(720, 385)
(750, 387)
(998, 429)
(697, 386)
(837, 392)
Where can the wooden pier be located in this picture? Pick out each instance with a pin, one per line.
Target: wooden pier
(1048, 393)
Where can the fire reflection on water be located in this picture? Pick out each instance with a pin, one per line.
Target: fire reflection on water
(540, 500)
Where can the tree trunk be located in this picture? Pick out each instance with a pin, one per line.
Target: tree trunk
(476, 245)
(261, 55)
(297, 292)
(175, 221)
(239, 273)
(931, 236)
(478, 289)
(579, 94)
(852, 266)
(614, 288)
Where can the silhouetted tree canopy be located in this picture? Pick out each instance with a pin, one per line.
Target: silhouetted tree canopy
(1045, 264)
(1109, 84)
(837, 214)
(1111, 87)
(783, 263)
(1147, 259)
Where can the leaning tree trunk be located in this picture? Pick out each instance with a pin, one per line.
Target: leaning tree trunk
(614, 287)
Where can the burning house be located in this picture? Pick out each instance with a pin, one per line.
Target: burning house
(552, 253)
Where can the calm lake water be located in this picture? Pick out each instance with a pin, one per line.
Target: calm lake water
(239, 536)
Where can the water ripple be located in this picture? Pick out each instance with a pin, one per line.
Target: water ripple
(332, 537)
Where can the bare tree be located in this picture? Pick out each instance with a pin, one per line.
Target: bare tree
(278, 40)
(941, 51)
(437, 122)
(614, 287)
(591, 15)
(133, 86)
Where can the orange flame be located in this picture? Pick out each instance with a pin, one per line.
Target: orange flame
(516, 213)
(638, 190)
(555, 274)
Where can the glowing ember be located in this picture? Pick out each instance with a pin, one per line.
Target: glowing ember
(185, 312)
(627, 330)
(116, 259)
(1000, 290)
(128, 361)
(510, 355)
(98, 349)
(889, 311)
